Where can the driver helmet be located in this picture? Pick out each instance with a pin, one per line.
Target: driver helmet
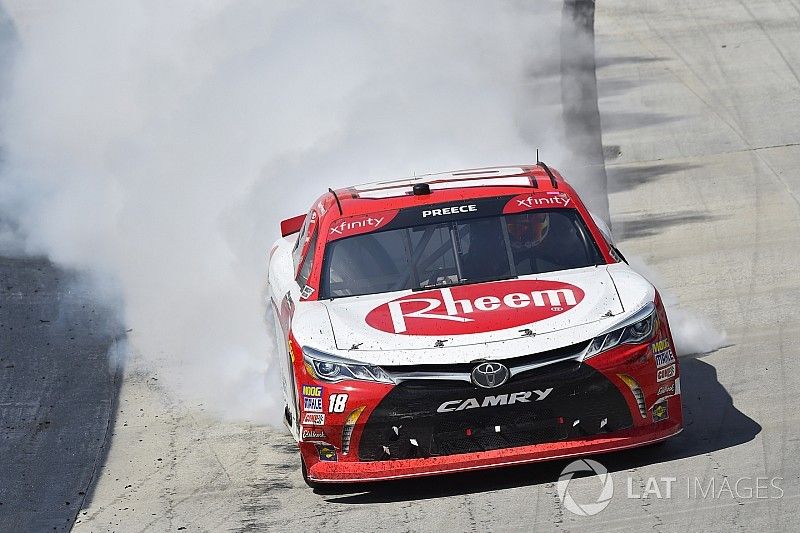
(528, 230)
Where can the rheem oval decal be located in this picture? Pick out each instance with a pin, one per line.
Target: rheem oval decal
(478, 308)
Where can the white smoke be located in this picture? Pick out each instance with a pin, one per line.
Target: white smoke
(158, 144)
(692, 333)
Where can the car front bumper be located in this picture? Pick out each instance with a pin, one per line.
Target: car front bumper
(363, 471)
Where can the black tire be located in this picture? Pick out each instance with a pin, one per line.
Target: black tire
(311, 483)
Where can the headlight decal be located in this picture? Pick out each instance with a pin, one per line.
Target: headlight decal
(349, 426)
(636, 390)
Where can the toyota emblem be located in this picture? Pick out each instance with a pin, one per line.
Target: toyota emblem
(490, 375)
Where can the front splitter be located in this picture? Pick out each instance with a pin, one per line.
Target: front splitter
(358, 471)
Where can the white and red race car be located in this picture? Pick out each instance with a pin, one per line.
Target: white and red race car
(460, 321)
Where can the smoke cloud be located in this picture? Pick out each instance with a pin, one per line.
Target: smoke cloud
(692, 333)
(157, 145)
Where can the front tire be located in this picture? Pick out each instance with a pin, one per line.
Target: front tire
(311, 483)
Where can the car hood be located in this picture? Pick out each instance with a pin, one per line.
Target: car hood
(532, 313)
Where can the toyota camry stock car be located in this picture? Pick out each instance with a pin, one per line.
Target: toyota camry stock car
(460, 321)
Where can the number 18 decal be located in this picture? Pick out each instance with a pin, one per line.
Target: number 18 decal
(337, 403)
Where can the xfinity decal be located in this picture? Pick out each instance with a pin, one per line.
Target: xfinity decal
(451, 210)
(358, 224)
(346, 226)
(475, 308)
(531, 201)
(494, 401)
(526, 202)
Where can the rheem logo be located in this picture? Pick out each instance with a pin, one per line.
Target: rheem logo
(475, 308)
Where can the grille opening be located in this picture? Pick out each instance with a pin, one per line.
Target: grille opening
(580, 393)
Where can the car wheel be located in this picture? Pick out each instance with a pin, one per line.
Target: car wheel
(311, 483)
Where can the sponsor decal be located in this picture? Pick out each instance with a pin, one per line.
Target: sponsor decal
(311, 433)
(451, 210)
(312, 404)
(475, 308)
(327, 453)
(494, 401)
(355, 225)
(665, 373)
(659, 346)
(314, 419)
(291, 351)
(660, 411)
(312, 390)
(664, 358)
(337, 403)
(312, 398)
(526, 202)
(668, 388)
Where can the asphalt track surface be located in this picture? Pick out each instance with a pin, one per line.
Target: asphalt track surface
(699, 104)
(57, 393)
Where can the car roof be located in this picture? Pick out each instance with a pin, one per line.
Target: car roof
(445, 187)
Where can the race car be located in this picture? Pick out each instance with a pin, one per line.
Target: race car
(460, 321)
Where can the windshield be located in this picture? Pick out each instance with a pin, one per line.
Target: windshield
(459, 252)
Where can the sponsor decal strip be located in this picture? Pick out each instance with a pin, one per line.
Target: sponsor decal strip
(312, 398)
